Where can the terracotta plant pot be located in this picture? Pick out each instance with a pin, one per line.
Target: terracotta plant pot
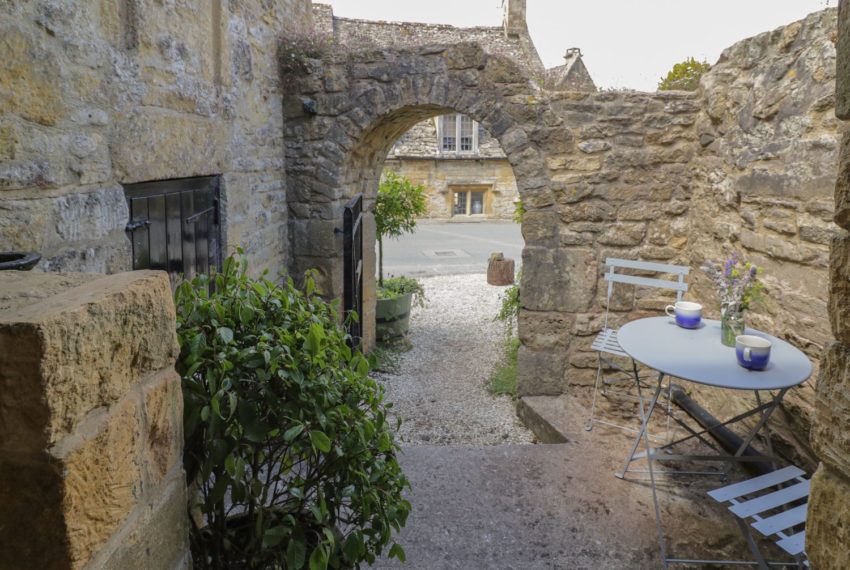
(392, 316)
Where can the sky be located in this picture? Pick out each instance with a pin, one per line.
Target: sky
(625, 43)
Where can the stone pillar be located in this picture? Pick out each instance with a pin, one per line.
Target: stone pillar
(515, 22)
(828, 524)
(91, 431)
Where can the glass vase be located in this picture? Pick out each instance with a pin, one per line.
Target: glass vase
(731, 325)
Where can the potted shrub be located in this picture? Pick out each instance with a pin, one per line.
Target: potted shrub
(397, 205)
(289, 454)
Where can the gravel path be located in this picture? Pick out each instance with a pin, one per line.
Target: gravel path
(440, 386)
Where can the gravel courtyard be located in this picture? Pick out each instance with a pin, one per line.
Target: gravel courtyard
(439, 387)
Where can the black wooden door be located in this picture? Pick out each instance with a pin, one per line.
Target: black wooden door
(174, 225)
(352, 297)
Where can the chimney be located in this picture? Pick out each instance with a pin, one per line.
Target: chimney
(514, 17)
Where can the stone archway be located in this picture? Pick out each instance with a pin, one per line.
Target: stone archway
(364, 103)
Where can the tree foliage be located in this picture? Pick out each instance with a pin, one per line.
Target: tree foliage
(397, 205)
(288, 445)
(684, 76)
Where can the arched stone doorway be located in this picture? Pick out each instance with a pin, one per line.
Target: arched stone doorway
(363, 103)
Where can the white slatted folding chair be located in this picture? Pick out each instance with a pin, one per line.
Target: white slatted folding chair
(606, 343)
(775, 505)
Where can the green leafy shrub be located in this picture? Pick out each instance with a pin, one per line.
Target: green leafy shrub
(684, 76)
(397, 286)
(509, 309)
(288, 448)
(397, 204)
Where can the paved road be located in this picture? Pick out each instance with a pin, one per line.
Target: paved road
(450, 248)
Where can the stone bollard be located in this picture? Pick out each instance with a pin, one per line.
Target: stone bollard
(500, 271)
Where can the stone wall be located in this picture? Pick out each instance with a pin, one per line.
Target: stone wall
(367, 34)
(100, 94)
(91, 416)
(764, 187)
(621, 180)
(828, 523)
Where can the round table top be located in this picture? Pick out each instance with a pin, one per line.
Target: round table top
(699, 356)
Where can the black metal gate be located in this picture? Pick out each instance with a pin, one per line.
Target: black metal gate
(174, 225)
(352, 296)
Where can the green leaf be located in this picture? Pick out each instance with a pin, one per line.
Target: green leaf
(319, 558)
(296, 552)
(396, 551)
(293, 432)
(225, 334)
(320, 441)
(273, 536)
(353, 547)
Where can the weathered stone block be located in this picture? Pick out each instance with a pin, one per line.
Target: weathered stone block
(540, 372)
(102, 482)
(155, 145)
(562, 280)
(842, 184)
(839, 287)
(545, 330)
(80, 350)
(842, 63)
(831, 429)
(30, 79)
(623, 234)
(163, 427)
(156, 537)
(828, 521)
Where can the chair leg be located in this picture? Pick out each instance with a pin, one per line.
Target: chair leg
(589, 425)
(751, 543)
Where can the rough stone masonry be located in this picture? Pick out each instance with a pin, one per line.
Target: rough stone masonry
(91, 423)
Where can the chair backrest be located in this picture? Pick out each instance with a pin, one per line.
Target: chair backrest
(611, 276)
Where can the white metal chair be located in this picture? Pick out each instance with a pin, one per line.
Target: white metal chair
(774, 504)
(606, 343)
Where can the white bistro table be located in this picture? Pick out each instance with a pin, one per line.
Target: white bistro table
(697, 355)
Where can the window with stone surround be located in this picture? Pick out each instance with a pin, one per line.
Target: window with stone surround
(470, 201)
(457, 134)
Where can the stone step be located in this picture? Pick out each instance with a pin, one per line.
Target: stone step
(549, 417)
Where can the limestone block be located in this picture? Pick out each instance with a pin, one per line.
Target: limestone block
(102, 483)
(80, 350)
(842, 63)
(828, 521)
(842, 184)
(540, 372)
(153, 145)
(561, 279)
(545, 330)
(539, 228)
(831, 429)
(30, 79)
(156, 537)
(839, 287)
(163, 426)
(623, 234)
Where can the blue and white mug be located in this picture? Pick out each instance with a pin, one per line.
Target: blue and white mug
(753, 352)
(687, 315)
